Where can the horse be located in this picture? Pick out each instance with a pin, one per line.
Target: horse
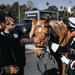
(42, 31)
(60, 34)
(55, 31)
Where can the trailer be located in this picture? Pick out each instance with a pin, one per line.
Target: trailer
(41, 15)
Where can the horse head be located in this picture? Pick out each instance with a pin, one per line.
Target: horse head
(41, 31)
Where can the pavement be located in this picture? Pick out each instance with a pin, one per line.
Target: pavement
(31, 64)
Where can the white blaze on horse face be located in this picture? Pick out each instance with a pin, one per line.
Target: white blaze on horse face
(38, 23)
(40, 29)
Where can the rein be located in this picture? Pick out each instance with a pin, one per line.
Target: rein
(63, 37)
(57, 35)
(53, 30)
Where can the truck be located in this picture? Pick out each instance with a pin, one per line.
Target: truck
(41, 15)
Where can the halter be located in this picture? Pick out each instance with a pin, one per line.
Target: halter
(44, 47)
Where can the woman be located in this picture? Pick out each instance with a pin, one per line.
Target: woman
(6, 67)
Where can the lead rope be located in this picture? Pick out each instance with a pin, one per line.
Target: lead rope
(44, 61)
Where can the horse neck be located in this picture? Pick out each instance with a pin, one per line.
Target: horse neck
(66, 39)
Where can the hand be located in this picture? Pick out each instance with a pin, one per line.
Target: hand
(73, 34)
(65, 60)
(13, 69)
(23, 41)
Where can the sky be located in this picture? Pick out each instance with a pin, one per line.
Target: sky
(41, 4)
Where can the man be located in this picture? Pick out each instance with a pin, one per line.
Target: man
(6, 67)
(68, 61)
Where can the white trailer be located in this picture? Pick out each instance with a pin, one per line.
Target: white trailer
(41, 14)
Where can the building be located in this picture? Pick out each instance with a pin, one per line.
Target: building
(41, 15)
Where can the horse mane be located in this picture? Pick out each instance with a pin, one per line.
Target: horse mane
(60, 29)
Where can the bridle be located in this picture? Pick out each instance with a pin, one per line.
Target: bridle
(47, 34)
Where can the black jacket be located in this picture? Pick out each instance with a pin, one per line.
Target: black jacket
(6, 53)
(19, 51)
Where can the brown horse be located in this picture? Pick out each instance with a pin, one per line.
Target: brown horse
(61, 35)
(42, 31)
(55, 31)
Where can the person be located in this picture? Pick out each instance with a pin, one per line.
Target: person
(6, 67)
(18, 51)
(17, 45)
(70, 46)
(68, 61)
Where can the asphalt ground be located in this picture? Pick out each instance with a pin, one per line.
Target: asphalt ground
(31, 65)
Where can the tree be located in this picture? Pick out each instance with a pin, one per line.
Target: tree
(65, 9)
(52, 8)
(23, 8)
(30, 4)
(34, 9)
(2, 8)
(61, 7)
(73, 8)
(47, 4)
(8, 7)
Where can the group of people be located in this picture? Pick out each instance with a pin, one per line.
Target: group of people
(12, 48)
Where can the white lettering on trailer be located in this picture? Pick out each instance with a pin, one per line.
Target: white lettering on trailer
(29, 15)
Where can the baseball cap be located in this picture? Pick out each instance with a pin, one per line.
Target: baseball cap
(71, 23)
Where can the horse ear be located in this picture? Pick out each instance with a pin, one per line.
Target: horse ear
(47, 19)
(34, 21)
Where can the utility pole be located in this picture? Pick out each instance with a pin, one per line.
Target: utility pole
(69, 9)
(19, 10)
